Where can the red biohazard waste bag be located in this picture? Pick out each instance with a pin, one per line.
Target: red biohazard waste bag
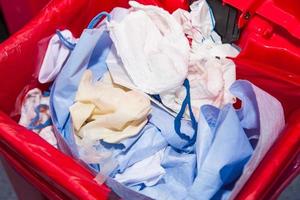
(269, 58)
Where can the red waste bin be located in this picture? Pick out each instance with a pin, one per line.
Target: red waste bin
(270, 58)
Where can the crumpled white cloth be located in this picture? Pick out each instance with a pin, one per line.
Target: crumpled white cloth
(210, 79)
(104, 111)
(197, 24)
(120, 77)
(210, 73)
(55, 57)
(48, 135)
(152, 47)
(32, 100)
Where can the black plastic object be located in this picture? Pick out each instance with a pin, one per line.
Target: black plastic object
(3, 29)
(226, 21)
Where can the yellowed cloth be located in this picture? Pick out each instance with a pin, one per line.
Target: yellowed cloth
(107, 111)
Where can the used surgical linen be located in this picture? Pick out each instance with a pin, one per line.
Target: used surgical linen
(104, 111)
(270, 122)
(35, 115)
(210, 73)
(234, 128)
(180, 173)
(209, 84)
(90, 53)
(228, 151)
(151, 168)
(206, 170)
(149, 142)
(152, 47)
(153, 146)
(197, 24)
(131, 151)
(220, 163)
(120, 77)
(222, 148)
(154, 137)
(55, 57)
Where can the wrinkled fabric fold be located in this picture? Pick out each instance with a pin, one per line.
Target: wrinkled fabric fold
(152, 47)
(104, 111)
